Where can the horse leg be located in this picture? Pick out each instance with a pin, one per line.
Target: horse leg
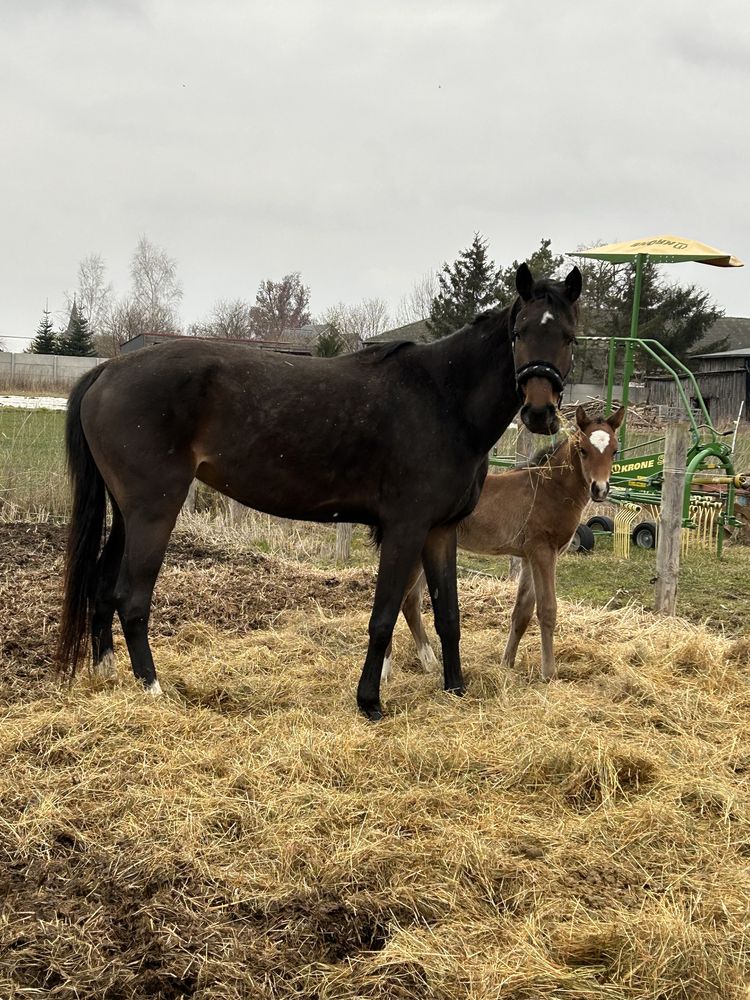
(107, 572)
(522, 612)
(543, 567)
(412, 610)
(399, 553)
(146, 539)
(439, 561)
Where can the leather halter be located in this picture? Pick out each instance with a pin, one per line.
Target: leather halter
(541, 369)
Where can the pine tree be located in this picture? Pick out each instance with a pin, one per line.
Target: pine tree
(542, 264)
(467, 287)
(45, 341)
(77, 341)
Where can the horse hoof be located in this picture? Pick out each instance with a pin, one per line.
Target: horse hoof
(458, 691)
(154, 689)
(373, 713)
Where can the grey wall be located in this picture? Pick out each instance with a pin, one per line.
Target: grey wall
(42, 368)
(582, 392)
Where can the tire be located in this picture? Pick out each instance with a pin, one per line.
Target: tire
(643, 535)
(582, 541)
(600, 522)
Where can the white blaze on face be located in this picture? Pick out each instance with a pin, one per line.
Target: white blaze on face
(600, 440)
(546, 317)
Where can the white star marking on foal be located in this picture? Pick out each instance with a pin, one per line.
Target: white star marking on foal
(547, 316)
(600, 440)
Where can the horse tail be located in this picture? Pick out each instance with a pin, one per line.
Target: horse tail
(84, 533)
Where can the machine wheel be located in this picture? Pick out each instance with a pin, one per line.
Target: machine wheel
(583, 540)
(643, 535)
(600, 522)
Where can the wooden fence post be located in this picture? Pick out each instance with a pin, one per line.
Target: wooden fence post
(669, 535)
(343, 542)
(524, 451)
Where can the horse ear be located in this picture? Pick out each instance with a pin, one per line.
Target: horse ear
(573, 285)
(524, 282)
(616, 418)
(582, 418)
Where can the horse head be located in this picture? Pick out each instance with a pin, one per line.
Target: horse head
(542, 323)
(597, 448)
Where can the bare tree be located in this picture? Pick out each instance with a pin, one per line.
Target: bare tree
(417, 303)
(356, 324)
(93, 294)
(280, 305)
(156, 291)
(125, 321)
(229, 320)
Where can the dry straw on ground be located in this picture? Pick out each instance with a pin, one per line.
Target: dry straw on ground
(249, 836)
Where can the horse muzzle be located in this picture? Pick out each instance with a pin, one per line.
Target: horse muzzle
(541, 387)
(599, 491)
(541, 419)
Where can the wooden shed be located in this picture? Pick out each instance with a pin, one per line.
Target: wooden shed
(724, 382)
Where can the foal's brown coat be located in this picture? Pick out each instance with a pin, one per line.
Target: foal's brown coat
(533, 513)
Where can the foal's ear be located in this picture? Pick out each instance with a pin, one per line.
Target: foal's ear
(573, 285)
(582, 418)
(617, 418)
(524, 282)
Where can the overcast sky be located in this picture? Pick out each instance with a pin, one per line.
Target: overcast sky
(362, 144)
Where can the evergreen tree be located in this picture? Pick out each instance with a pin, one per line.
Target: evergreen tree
(467, 287)
(77, 341)
(330, 343)
(542, 264)
(45, 341)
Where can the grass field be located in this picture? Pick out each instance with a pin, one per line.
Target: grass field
(32, 464)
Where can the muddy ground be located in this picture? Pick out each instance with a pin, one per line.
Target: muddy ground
(199, 582)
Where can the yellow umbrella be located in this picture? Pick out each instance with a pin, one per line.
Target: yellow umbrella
(662, 250)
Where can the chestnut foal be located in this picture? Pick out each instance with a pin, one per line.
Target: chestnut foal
(531, 512)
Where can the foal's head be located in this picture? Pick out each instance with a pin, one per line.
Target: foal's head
(596, 443)
(543, 326)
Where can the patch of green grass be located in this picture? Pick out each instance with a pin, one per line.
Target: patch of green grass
(32, 462)
(710, 590)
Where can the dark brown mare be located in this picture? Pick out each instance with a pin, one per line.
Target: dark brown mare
(531, 512)
(395, 437)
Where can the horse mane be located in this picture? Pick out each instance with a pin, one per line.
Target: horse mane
(374, 354)
(544, 455)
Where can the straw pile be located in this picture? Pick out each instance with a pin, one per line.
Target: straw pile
(249, 836)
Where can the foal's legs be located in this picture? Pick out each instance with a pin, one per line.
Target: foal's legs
(107, 572)
(399, 553)
(543, 567)
(522, 612)
(412, 611)
(146, 538)
(439, 561)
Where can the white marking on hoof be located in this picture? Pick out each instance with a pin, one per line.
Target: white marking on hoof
(106, 668)
(428, 659)
(600, 440)
(547, 317)
(385, 674)
(154, 689)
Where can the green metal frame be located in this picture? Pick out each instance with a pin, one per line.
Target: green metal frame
(643, 484)
(629, 488)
